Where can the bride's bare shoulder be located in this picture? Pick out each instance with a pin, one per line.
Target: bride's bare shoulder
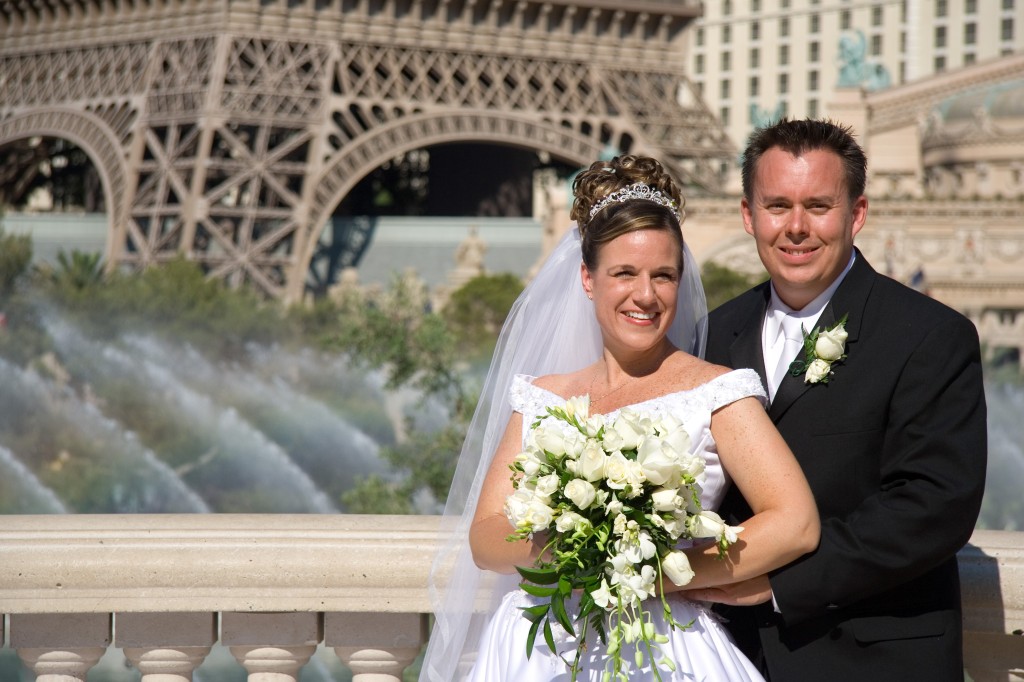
(690, 371)
(566, 385)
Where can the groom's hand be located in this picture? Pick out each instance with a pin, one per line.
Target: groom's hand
(747, 593)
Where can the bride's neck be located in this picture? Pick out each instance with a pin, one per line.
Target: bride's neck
(635, 365)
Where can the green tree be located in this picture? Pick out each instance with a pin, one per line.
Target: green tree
(15, 257)
(722, 284)
(477, 310)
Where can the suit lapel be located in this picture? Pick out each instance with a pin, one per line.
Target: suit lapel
(745, 350)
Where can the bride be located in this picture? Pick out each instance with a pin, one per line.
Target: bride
(625, 326)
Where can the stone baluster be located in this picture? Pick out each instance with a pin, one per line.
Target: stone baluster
(60, 647)
(272, 647)
(166, 647)
(376, 647)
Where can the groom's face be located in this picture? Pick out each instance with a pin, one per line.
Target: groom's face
(803, 221)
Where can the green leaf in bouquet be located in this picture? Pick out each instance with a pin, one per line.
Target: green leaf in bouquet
(540, 576)
(536, 613)
(531, 637)
(549, 638)
(558, 608)
(537, 590)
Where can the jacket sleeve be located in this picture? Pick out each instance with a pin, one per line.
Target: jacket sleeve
(931, 470)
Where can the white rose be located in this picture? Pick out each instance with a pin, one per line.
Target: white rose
(549, 438)
(667, 499)
(538, 515)
(621, 473)
(591, 462)
(818, 370)
(570, 520)
(626, 431)
(593, 425)
(666, 424)
(546, 486)
(532, 461)
(574, 442)
(830, 344)
(678, 439)
(582, 493)
(659, 464)
(517, 507)
(676, 566)
(614, 506)
(708, 524)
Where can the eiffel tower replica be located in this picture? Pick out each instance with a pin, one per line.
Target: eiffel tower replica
(228, 131)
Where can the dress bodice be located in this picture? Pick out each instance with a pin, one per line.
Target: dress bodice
(693, 407)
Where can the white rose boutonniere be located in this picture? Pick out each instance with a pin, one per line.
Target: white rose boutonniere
(822, 349)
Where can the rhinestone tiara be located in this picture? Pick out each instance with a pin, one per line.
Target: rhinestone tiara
(637, 190)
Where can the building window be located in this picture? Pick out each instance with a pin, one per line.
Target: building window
(813, 51)
(726, 34)
(755, 58)
(970, 58)
(698, 65)
(940, 64)
(784, 55)
(755, 5)
(726, 8)
(724, 115)
(1007, 29)
(1008, 4)
(941, 8)
(815, 23)
(812, 108)
(876, 45)
(970, 6)
(784, 27)
(726, 61)
(700, 36)
(724, 90)
(812, 80)
(700, 88)
(783, 83)
(845, 20)
(903, 42)
(755, 30)
(940, 36)
(785, 4)
(970, 34)
(876, 16)
(755, 86)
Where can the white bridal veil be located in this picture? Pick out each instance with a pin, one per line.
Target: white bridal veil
(551, 329)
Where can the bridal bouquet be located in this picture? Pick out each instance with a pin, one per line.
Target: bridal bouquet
(613, 498)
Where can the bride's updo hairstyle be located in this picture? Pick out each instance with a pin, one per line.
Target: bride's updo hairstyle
(626, 194)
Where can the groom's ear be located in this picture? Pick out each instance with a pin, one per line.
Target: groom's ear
(588, 283)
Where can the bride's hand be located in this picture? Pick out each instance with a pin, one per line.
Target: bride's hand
(747, 593)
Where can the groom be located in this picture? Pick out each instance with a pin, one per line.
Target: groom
(892, 436)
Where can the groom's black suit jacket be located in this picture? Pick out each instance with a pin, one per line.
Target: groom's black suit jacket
(894, 448)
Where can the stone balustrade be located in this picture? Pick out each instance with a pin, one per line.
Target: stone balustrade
(271, 588)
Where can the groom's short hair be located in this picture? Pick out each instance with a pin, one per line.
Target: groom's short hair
(803, 135)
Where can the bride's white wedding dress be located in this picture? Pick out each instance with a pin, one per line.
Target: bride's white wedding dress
(703, 651)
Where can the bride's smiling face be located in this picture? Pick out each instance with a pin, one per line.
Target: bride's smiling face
(634, 287)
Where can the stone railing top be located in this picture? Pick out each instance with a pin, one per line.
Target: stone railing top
(215, 562)
(280, 562)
